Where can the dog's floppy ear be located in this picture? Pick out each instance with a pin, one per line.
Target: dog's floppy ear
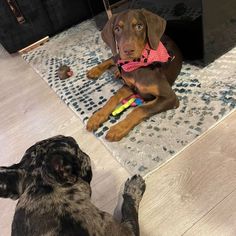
(108, 34)
(85, 171)
(155, 28)
(11, 182)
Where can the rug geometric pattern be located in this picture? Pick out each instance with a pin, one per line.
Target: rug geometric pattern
(206, 95)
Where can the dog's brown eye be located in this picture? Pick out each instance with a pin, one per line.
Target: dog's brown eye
(117, 29)
(139, 27)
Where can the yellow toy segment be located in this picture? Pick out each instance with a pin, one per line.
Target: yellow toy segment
(121, 108)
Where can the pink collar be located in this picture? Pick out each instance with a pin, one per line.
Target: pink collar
(149, 56)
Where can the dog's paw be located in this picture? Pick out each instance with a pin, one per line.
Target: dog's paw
(95, 121)
(135, 187)
(94, 73)
(116, 132)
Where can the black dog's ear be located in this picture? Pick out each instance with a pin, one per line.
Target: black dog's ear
(85, 171)
(108, 34)
(155, 28)
(11, 182)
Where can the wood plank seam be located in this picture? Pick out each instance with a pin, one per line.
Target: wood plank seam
(217, 204)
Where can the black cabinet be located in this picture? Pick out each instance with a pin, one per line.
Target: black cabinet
(219, 27)
(41, 18)
(15, 35)
(203, 29)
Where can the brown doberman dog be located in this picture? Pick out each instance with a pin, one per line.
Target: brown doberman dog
(127, 34)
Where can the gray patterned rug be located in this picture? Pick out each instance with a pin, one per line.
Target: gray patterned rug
(206, 95)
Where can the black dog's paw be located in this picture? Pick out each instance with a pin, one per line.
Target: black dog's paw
(135, 188)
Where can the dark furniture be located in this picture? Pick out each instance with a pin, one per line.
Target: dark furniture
(41, 18)
(203, 29)
(219, 27)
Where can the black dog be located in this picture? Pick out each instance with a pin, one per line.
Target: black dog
(52, 183)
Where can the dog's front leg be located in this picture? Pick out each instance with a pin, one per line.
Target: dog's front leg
(98, 70)
(102, 115)
(162, 102)
(133, 193)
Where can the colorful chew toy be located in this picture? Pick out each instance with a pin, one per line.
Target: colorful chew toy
(131, 101)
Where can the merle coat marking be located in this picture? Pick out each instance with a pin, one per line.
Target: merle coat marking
(52, 185)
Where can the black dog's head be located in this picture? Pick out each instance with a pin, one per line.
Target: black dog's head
(54, 161)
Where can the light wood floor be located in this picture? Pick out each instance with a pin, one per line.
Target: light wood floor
(193, 194)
